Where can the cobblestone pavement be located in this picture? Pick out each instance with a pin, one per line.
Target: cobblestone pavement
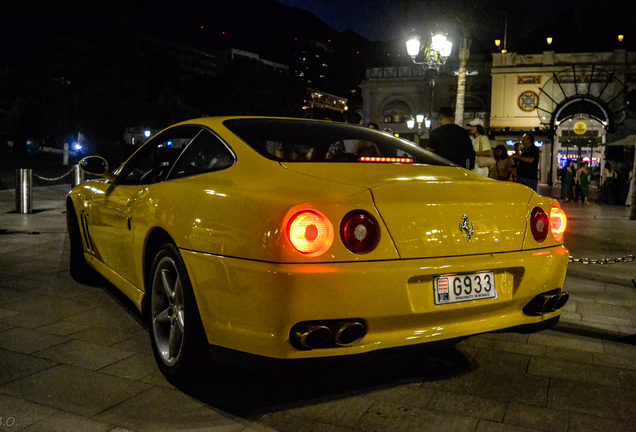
(78, 358)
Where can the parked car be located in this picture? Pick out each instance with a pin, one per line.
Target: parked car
(271, 237)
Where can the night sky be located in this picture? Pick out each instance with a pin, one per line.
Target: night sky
(382, 20)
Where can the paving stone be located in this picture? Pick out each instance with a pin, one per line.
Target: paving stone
(568, 354)
(100, 335)
(606, 319)
(75, 390)
(595, 309)
(615, 361)
(628, 379)
(593, 399)
(28, 341)
(557, 339)
(341, 412)
(570, 316)
(67, 422)
(591, 423)
(489, 426)
(84, 354)
(574, 371)
(31, 321)
(285, 422)
(470, 406)
(17, 414)
(112, 318)
(619, 349)
(134, 367)
(506, 387)
(5, 313)
(139, 344)
(16, 365)
(157, 410)
(62, 328)
(410, 394)
(521, 348)
(537, 417)
(628, 330)
(384, 417)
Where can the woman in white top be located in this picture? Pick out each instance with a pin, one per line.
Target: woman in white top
(481, 145)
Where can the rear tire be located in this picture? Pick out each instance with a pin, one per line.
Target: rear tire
(176, 332)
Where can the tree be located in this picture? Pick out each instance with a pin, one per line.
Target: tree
(462, 19)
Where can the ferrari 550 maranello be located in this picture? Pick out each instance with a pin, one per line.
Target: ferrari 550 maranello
(293, 239)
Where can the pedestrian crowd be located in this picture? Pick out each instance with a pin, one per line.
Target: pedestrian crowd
(473, 151)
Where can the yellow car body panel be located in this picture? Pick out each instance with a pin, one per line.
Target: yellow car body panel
(252, 286)
(251, 306)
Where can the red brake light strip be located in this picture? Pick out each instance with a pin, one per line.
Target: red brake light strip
(385, 159)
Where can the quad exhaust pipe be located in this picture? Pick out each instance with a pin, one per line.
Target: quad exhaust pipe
(326, 334)
(545, 303)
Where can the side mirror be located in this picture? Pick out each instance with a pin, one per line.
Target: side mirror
(96, 165)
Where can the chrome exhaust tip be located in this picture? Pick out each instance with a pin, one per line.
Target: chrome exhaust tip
(312, 336)
(308, 335)
(349, 332)
(563, 299)
(546, 303)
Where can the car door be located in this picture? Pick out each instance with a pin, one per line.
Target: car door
(111, 217)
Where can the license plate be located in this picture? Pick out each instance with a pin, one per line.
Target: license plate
(464, 287)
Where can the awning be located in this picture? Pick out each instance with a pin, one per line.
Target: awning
(630, 140)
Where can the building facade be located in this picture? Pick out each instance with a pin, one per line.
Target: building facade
(392, 95)
(571, 102)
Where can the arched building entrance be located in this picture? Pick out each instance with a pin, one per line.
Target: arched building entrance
(569, 101)
(580, 105)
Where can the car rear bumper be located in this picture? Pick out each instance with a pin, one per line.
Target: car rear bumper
(251, 306)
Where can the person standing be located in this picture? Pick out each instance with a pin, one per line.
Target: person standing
(583, 182)
(504, 167)
(481, 145)
(451, 141)
(567, 180)
(528, 162)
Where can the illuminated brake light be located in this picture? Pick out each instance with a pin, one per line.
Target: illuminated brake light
(558, 222)
(310, 232)
(385, 159)
(539, 224)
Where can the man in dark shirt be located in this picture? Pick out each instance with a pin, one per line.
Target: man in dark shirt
(451, 141)
(528, 162)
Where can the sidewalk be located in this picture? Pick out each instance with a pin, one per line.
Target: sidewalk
(78, 358)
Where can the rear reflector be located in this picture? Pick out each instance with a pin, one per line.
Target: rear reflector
(359, 231)
(539, 224)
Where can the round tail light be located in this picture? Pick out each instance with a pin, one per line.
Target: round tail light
(558, 222)
(359, 231)
(539, 224)
(310, 232)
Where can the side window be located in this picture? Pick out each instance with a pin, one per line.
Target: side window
(206, 153)
(153, 162)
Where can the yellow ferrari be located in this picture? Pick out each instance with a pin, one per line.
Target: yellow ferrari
(293, 239)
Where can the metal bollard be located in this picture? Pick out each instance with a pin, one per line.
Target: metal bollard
(78, 175)
(24, 190)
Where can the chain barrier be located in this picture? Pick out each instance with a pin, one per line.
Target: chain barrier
(54, 178)
(603, 261)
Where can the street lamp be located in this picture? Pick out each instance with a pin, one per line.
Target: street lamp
(419, 119)
(433, 56)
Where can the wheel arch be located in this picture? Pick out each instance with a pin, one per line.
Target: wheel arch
(156, 238)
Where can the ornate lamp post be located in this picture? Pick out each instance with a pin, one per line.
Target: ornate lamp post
(419, 119)
(433, 56)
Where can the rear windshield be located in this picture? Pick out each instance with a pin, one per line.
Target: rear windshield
(288, 140)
